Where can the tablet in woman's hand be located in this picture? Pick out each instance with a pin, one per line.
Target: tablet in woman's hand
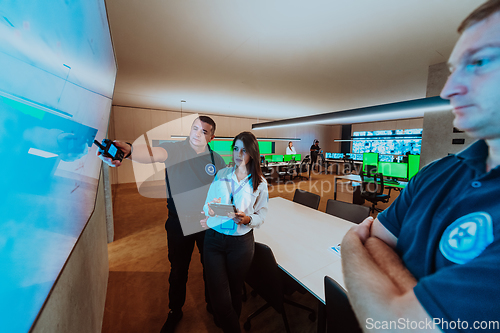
(222, 209)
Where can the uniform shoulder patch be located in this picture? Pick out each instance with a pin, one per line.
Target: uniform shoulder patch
(467, 237)
(210, 169)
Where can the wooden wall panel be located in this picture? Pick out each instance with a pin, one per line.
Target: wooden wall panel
(124, 123)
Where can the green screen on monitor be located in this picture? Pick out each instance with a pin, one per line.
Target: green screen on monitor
(277, 158)
(294, 157)
(392, 169)
(266, 147)
(223, 147)
(227, 159)
(413, 165)
(268, 158)
(370, 159)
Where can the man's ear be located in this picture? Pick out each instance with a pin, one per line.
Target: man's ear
(212, 137)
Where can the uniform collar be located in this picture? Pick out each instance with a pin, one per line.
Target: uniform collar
(475, 156)
(188, 146)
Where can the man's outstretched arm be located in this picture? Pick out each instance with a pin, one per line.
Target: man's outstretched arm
(380, 287)
(139, 153)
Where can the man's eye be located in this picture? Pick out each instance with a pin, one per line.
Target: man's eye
(478, 63)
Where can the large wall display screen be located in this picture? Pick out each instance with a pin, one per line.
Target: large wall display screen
(56, 86)
(389, 142)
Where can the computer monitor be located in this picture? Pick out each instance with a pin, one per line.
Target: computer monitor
(337, 156)
(328, 155)
(413, 165)
(297, 157)
(277, 158)
(371, 170)
(222, 147)
(394, 170)
(227, 159)
(354, 157)
(266, 147)
(386, 158)
(268, 158)
(369, 159)
(288, 158)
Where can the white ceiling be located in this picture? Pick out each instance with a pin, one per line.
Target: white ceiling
(278, 59)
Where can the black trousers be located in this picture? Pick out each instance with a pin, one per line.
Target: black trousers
(180, 249)
(313, 165)
(227, 260)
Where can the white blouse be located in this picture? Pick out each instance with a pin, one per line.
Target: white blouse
(254, 204)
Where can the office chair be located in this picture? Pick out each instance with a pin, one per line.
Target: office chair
(267, 172)
(340, 317)
(349, 167)
(302, 167)
(306, 198)
(347, 211)
(374, 191)
(290, 170)
(271, 283)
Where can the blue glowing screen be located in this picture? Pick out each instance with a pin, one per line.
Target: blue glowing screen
(56, 84)
(390, 145)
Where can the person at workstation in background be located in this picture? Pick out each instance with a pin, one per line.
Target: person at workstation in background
(315, 151)
(290, 150)
(229, 243)
(189, 164)
(443, 230)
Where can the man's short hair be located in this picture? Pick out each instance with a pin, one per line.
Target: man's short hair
(207, 120)
(479, 14)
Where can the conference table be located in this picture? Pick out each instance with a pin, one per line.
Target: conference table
(300, 238)
(357, 179)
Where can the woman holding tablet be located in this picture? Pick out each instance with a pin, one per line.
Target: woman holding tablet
(229, 241)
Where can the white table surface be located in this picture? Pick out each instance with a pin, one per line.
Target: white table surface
(300, 238)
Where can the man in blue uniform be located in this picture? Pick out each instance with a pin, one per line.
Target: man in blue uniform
(190, 167)
(431, 261)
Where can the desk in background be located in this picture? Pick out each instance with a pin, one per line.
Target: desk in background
(275, 166)
(357, 164)
(357, 179)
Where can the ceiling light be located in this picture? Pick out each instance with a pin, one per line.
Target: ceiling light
(399, 110)
(180, 137)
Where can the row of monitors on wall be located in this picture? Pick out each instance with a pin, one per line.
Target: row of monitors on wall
(281, 158)
(359, 157)
(269, 158)
(340, 156)
(405, 170)
(388, 142)
(223, 147)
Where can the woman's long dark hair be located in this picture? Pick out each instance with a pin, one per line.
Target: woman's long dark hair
(252, 148)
